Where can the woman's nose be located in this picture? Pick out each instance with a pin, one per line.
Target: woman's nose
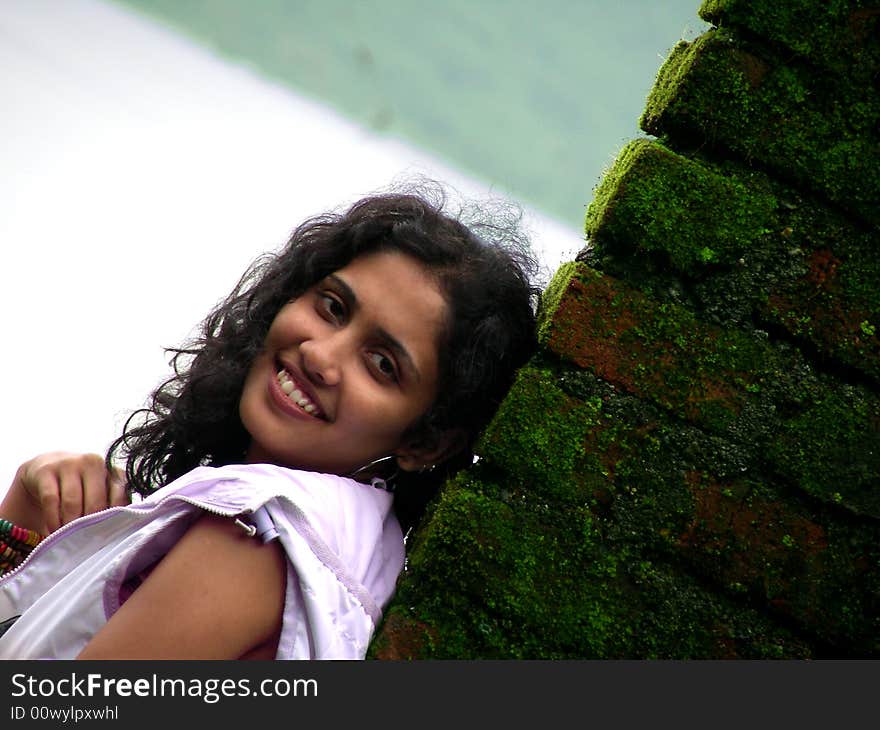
(322, 359)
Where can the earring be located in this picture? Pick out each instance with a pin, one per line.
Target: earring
(386, 483)
(373, 463)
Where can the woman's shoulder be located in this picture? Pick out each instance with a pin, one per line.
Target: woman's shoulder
(259, 474)
(353, 521)
(256, 483)
(335, 506)
(297, 483)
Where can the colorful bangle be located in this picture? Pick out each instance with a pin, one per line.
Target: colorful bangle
(14, 533)
(16, 544)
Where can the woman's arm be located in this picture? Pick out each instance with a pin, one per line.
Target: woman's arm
(52, 489)
(218, 594)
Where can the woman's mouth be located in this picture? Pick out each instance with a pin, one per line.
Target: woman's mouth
(296, 395)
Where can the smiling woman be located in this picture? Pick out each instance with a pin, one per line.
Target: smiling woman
(349, 367)
(374, 346)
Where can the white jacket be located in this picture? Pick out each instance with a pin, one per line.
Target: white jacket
(344, 552)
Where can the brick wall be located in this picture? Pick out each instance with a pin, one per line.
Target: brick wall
(690, 466)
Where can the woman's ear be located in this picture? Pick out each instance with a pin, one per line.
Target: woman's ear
(421, 454)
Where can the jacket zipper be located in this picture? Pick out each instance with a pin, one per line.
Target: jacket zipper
(106, 513)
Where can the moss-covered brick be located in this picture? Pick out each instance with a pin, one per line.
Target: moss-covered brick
(830, 449)
(654, 350)
(833, 304)
(671, 546)
(663, 202)
(725, 380)
(689, 467)
(489, 578)
(674, 490)
(717, 93)
(654, 485)
(834, 34)
(680, 619)
(742, 246)
(496, 578)
(539, 433)
(807, 567)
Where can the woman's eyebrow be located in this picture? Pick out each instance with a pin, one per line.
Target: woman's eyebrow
(391, 342)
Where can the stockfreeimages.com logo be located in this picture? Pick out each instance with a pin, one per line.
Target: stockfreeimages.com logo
(208, 690)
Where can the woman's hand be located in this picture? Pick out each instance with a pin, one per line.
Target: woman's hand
(53, 489)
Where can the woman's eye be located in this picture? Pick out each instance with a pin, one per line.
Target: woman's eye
(332, 307)
(384, 365)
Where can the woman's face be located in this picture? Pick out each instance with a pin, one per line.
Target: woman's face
(347, 368)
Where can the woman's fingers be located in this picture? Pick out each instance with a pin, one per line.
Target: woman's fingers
(68, 486)
(43, 485)
(94, 485)
(116, 488)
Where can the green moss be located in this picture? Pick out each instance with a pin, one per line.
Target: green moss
(671, 476)
(658, 351)
(665, 203)
(676, 553)
(553, 294)
(494, 580)
(485, 574)
(719, 93)
(799, 562)
(538, 433)
(682, 620)
(833, 303)
(832, 450)
(667, 489)
(775, 256)
(724, 380)
(838, 30)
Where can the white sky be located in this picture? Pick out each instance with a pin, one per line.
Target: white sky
(140, 175)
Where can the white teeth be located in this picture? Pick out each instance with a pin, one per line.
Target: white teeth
(294, 393)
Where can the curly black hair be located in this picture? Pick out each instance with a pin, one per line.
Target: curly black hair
(484, 269)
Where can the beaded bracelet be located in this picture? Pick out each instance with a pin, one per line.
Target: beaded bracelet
(16, 544)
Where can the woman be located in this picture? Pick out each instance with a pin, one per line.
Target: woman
(369, 352)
